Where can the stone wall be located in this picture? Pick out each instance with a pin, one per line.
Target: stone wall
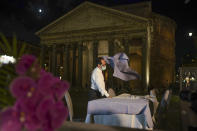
(162, 67)
(162, 51)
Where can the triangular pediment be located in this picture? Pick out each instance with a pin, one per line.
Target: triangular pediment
(90, 16)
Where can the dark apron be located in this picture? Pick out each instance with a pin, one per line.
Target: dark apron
(94, 94)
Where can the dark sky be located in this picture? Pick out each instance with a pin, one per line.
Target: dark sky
(26, 12)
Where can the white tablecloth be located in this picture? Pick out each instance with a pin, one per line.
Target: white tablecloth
(123, 120)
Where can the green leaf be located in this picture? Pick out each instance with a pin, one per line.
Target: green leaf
(2, 78)
(14, 44)
(8, 67)
(2, 105)
(3, 91)
(4, 72)
(3, 83)
(5, 41)
(7, 72)
(6, 96)
(7, 100)
(22, 50)
(2, 47)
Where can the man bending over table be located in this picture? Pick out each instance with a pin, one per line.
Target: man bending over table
(97, 89)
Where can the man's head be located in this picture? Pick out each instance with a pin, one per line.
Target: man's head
(101, 63)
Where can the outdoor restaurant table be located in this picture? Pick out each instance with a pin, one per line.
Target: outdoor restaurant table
(120, 111)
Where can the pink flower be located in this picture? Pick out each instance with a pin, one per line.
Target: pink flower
(45, 83)
(59, 114)
(32, 123)
(24, 64)
(28, 106)
(38, 99)
(43, 113)
(60, 88)
(10, 120)
(51, 114)
(52, 86)
(23, 86)
(42, 72)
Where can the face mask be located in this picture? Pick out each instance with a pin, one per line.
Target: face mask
(103, 68)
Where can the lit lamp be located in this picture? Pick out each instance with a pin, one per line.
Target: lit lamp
(4, 59)
(187, 81)
(190, 34)
(192, 78)
(40, 10)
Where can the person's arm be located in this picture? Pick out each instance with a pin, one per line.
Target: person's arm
(99, 80)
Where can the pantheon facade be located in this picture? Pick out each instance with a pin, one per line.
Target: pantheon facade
(71, 44)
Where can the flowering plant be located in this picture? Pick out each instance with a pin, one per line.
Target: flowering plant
(38, 104)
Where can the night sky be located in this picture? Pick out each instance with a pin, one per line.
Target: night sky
(26, 12)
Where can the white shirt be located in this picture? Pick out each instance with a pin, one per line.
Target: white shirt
(97, 82)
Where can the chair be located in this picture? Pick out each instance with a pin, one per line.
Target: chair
(163, 106)
(155, 103)
(153, 92)
(69, 105)
(165, 99)
(111, 92)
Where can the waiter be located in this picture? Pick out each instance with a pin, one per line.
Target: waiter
(97, 89)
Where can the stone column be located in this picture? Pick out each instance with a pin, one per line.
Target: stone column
(89, 61)
(61, 61)
(61, 56)
(110, 70)
(80, 64)
(74, 65)
(148, 51)
(125, 42)
(146, 59)
(144, 53)
(86, 65)
(181, 78)
(50, 58)
(42, 55)
(54, 59)
(95, 52)
(66, 64)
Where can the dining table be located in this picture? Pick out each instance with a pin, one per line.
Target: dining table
(125, 110)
